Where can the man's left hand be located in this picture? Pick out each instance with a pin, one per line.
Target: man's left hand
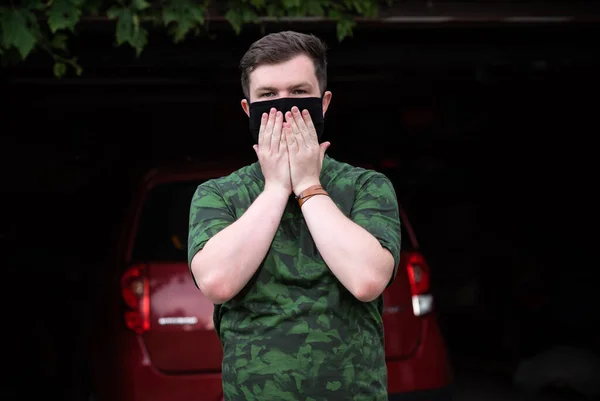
(305, 153)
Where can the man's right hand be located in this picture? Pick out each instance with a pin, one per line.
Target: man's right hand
(232, 255)
(272, 152)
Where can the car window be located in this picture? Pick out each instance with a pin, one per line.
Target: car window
(163, 227)
(396, 179)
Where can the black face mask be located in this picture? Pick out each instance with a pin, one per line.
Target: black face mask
(314, 105)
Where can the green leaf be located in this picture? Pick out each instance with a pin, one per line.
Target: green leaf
(183, 16)
(344, 28)
(314, 8)
(140, 5)
(250, 15)
(37, 5)
(59, 42)
(114, 12)
(92, 7)
(235, 20)
(17, 32)
(288, 4)
(139, 40)
(273, 10)
(78, 69)
(125, 26)
(370, 9)
(128, 28)
(296, 12)
(20, 30)
(244, 14)
(63, 14)
(352, 6)
(59, 69)
(258, 4)
(335, 14)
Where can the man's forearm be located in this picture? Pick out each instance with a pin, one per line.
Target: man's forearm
(353, 255)
(230, 258)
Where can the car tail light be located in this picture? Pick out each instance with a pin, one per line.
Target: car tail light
(418, 277)
(135, 289)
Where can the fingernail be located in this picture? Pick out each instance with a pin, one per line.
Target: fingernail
(273, 110)
(305, 112)
(295, 109)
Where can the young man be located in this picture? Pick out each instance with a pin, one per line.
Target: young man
(296, 249)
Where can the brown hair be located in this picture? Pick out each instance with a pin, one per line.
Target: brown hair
(280, 47)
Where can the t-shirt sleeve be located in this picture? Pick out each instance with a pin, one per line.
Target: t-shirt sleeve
(376, 210)
(209, 214)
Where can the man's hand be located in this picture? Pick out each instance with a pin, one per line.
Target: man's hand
(305, 153)
(272, 152)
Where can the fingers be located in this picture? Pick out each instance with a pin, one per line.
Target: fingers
(276, 133)
(323, 148)
(310, 136)
(292, 143)
(295, 130)
(261, 130)
(309, 124)
(264, 137)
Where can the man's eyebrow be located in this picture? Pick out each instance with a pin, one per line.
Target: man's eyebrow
(266, 89)
(301, 85)
(273, 89)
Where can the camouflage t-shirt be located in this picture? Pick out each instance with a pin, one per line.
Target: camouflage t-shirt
(294, 332)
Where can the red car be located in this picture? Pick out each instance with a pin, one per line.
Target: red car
(154, 340)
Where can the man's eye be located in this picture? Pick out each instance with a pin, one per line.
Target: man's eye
(266, 94)
(299, 92)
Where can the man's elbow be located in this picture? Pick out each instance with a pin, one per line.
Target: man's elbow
(211, 284)
(217, 292)
(370, 288)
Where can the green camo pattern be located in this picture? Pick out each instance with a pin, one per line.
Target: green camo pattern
(294, 332)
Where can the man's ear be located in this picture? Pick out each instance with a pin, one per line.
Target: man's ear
(246, 107)
(326, 100)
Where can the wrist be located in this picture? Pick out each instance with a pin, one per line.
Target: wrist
(277, 192)
(309, 192)
(304, 186)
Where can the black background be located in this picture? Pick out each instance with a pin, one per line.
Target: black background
(492, 130)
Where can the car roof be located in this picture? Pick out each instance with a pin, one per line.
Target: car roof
(191, 170)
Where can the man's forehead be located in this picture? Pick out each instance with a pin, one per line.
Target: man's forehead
(297, 71)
